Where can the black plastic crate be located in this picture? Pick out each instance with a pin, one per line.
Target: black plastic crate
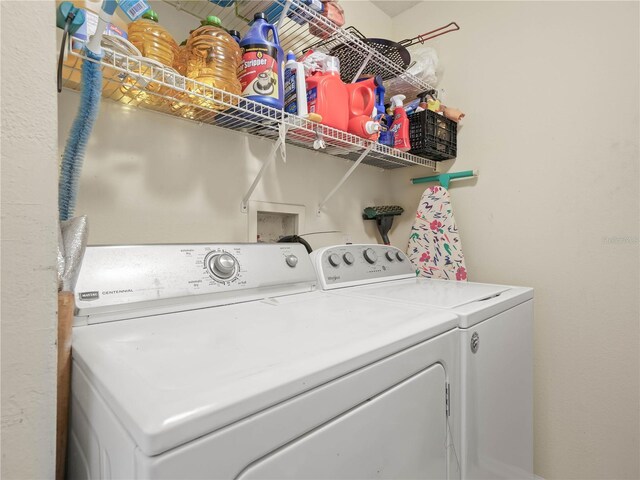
(432, 136)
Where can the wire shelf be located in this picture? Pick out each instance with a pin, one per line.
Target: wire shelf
(136, 82)
(301, 28)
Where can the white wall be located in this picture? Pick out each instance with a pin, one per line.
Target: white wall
(551, 92)
(29, 216)
(150, 178)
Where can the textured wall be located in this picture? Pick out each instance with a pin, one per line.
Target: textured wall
(551, 92)
(29, 216)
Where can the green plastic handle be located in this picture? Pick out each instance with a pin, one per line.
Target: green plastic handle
(444, 178)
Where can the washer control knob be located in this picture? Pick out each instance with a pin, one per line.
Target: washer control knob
(291, 260)
(348, 258)
(370, 256)
(390, 256)
(334, 260)
(222, 265)
(400, 256)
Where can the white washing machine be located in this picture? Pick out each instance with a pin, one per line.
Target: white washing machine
(496, 336)
(226, 361)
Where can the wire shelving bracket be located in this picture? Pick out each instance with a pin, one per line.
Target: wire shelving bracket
(343, 179)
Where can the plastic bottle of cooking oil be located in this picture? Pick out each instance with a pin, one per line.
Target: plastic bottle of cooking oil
(213, 59)
(155, 43)
(152, 39)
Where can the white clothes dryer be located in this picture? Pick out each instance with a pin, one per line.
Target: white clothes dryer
(496, 336)
(226, 361)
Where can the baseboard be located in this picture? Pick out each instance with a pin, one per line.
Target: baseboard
(536, 477)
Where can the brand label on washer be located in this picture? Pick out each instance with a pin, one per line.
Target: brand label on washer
(89, 295)
(259, 71)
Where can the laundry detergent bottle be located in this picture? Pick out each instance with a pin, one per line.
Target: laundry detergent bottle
(400, 125)
(327, 95)
(261, 71)
(362, 108)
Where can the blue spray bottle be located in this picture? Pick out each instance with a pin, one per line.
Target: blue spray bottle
(387, 137)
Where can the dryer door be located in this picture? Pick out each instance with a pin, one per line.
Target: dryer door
(399, 433)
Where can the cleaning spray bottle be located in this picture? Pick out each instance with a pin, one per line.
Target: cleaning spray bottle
(400, 125)
(386, 137)
(295, 87)
(262, 68)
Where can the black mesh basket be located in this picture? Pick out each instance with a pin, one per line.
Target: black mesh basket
(432, 136)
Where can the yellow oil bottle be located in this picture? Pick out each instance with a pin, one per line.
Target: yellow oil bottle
(155, 43)
(213, 60)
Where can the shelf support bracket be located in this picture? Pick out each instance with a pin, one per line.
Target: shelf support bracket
(283, 15)
(279, 145)
(344, 178)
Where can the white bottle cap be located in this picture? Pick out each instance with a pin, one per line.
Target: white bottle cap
(372, 127)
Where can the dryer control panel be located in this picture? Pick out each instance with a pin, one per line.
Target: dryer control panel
(115, 282)
(348, 265)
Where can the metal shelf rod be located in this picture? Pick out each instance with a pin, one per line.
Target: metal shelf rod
(272, 156)
(344, 178)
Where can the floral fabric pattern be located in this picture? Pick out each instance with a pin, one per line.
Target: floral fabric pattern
(434, 245)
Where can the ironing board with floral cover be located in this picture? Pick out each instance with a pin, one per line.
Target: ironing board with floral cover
(434, 245)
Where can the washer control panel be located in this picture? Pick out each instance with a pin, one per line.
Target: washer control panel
(347, 265)
(124, 277)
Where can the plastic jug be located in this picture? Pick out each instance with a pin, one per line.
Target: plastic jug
(155, 43)
(151, 39)
(261, 72)
(327, 95)
(213, 59)
(362, 107)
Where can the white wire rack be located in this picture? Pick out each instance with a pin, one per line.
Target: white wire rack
(301, 28)
(135, 82)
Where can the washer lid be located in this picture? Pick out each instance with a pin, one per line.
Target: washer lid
(175, 377)
(472, 302)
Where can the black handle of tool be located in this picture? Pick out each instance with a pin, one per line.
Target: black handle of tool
(65, 32)
(384, 225)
